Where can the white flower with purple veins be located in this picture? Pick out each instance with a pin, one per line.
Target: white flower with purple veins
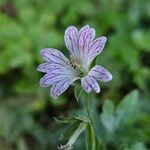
(62, 72)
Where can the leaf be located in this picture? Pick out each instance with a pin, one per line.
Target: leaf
(141, 39)
(107, 117)
(125, 114)
(16, 57)
(123, 146)
(78, 90)
(137, 146)
(9, 119)
(10, 30)
(127, 109)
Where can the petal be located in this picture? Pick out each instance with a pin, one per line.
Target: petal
(96, 47)
(49, 79)
(59, 87)
(56, 73)
(86, 85)
(100, 73)
(51, 68)
(94, 84)
(53, 55)
(72, 41)
(86, 36)
(59, 73)
(89, 83)
(45, 67)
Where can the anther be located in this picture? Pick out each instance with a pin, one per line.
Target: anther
(74, 67)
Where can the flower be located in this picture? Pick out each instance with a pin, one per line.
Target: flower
(62, 72)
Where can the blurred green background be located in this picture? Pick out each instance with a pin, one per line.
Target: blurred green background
(26, 109)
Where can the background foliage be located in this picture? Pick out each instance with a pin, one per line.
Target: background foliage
(27, 111)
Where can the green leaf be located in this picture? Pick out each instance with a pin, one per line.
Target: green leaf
(125, 113)
(107, 117)
(137, 146)
(78, 90)
(141, 39)
(123, 146)
(16, 57)
(10, 30)
(127, 109)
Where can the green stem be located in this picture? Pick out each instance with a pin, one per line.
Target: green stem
(90, 135)
(87, 106)
(92, 141)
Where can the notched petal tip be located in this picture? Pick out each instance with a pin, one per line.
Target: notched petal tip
(38, 68)
(98, 90)
(47, 50)
(59, 87)
(42, 82)
(110, 77)
(86, 86)
(90, 84)
(104, 38)
(86, 90)
(42, 51)
(53, 96)
(100, 73)
(86, 26)
(70, 28)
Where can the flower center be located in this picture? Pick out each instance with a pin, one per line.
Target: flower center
(76, 66)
